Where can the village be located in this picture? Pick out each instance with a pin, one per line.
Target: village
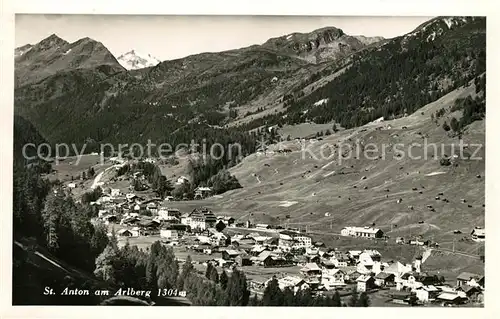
(290, 255)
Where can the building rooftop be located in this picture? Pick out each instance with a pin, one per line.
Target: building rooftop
(311, 266)
(468, 276)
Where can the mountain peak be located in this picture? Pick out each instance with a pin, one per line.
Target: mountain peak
(51, 41)
(134, 60)
(320, 45)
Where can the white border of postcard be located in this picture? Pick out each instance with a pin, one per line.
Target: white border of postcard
(248, 7)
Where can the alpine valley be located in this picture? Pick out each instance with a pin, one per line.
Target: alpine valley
(322, 90)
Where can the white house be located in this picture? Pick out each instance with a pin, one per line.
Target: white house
(204, 239)
(105, 199)
(478, 234)
(398, 269)
(102, 212)
(427, 293)
(166, 213)
(152, 207)
(338, 263)
(130, 196)
(181, 180)
(332, 278)
(365, 259)
(288, 240)
(136, 231)
(408, 280)
(470, 279)
(171, 234)
(115, 192)
(202, 192)
(365, 282)
(218, 239)
(199, 219)
(71, 185)
(295, 283)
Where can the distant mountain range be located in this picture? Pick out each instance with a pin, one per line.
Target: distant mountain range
(79, 91)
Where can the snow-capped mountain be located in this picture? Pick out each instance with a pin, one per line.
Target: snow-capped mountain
(134, 60)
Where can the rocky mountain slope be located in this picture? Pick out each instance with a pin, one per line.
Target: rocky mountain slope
(54, 55)
(245, 88)
(322, 45)
(134, 60)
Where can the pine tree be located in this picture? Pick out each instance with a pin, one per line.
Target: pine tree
(104, 264)
(151, 272)
(288, 297)
(364, 300)
(208, 272)
(223, 280)
(237, 293)
(254, 301)
(214, 275)
(273, 296)
(353, 300)
(187, 269)
(336, 300)
(454, 124)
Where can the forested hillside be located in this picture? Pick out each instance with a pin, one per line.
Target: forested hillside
(395, 79)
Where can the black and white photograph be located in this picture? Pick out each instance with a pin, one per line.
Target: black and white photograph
(252, 160)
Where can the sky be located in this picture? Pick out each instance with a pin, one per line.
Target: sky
(172, 37)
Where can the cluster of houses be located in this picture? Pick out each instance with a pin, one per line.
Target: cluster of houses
(320, 269)
(406, 283)
(422, 288)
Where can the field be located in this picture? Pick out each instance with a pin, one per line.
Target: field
(327, 194)
(323, 194)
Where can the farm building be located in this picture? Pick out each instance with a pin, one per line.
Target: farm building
(478, 234)
(171, 234)
(230, 254)
(383, 279)
(227, 220)
(448, 298)
(202, 192)
(124, 233)
(293, 282)
(243, 259)
(166, 213)
(365, 282)
(427, 293)
(470, 279)
(365, 232)
(333, 278)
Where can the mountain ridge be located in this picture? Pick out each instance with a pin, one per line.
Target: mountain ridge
(53, 55)
(256, 86)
